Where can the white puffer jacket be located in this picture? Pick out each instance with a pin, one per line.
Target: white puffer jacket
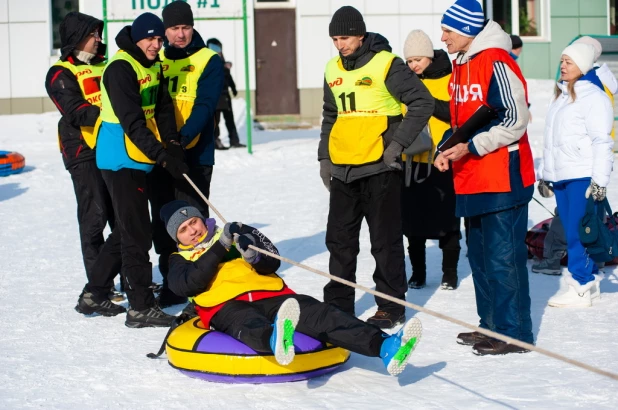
(577, 136)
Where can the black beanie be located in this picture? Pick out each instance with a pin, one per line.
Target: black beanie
(516, 42)
(347, 21)
(177, 13)
(146, 25)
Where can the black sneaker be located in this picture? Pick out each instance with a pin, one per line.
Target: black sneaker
(88, 305)
(168, 298)
(470, 338)
(149, 317)
(189, 310)
(219, 145)
(492, 346)
(386, 320)
(238, 145)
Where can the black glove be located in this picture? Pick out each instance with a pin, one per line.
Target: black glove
(235, 93)
(325, 167)
(173, 165)
(597, 192)
(545, 189)
(175, 150)
(248, 254)
(392, 154)
(227, 236)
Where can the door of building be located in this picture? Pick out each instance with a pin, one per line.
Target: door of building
(275, 51)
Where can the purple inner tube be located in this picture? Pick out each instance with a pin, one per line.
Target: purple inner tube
(217, 342)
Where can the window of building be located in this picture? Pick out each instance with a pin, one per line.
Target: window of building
(526, 18)
(59, 9)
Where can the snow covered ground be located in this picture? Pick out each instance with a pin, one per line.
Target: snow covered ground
(53, 358)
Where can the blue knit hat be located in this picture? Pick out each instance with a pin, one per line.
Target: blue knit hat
(465, 17)
(146, 25)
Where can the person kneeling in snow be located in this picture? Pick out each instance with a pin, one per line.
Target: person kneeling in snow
(236, 291)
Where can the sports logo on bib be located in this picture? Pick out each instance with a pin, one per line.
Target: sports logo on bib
(366, 81)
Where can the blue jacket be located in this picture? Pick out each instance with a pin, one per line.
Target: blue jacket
(202, 118)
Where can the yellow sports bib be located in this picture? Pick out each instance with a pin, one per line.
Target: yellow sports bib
(89, 80)
(363, 107)
(183, 76)
(148, 80)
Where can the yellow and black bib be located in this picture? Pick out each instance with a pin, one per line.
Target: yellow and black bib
(234, 278)
(89, 80)
(363, 107)
(183, 76)
(148, 80)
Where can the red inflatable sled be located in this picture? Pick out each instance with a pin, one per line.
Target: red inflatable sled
(535, 238)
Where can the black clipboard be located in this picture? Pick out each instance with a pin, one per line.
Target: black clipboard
(482, 116)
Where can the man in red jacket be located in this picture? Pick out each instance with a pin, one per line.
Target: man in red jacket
(493, 173)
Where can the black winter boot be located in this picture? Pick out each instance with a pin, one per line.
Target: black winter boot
(149, 317)
(450, 258)
(416, 251)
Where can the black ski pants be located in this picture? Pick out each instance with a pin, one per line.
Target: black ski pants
(161, 190)
(201, 176)
(251, 323)
(94, 212)
(377, 199)
(230, 124)
(129, 193)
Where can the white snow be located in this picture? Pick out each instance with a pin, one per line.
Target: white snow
(54, 358)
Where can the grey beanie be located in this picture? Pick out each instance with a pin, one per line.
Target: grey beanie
(175, 213)
(417, 44)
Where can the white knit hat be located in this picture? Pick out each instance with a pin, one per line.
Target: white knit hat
(582, 55)
(418, 44)
(598, 48)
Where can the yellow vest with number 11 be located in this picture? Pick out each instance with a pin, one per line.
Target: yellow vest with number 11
(363, 107)
(183, 76)
(89, 80)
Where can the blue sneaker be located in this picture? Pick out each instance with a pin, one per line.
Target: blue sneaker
(282, 339)
(396, 349)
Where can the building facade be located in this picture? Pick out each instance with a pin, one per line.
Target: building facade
(288, 44)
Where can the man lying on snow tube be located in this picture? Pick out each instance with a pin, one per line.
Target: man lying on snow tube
(236, 291)
(11, 163)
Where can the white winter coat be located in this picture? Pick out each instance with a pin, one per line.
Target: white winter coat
(577, 140)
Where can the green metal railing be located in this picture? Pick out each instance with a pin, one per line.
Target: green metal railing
(244, 18)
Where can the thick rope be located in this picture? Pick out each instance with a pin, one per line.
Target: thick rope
(486, 332)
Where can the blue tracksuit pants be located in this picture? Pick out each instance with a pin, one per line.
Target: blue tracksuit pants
(498, 255)
(571, 200)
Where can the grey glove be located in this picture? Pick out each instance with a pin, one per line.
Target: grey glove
(545, 189)
(597, 192)
(392, 154)
(325, 167)
(227, 236)
(248, 254)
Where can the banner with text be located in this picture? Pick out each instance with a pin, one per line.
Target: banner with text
(129, 9)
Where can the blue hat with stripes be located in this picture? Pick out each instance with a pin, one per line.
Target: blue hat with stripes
(465, 17)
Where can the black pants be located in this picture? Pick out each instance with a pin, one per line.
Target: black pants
(94, 212)
(377, 199)
(450, 246)
(161, 190)
(251, 323)
(129, 193)
(201, 176)
(228, 117)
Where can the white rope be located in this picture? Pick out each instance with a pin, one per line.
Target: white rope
(486, 332)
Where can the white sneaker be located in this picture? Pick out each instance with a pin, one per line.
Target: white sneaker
(282, 339)
(575, 295)
(595, 291)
